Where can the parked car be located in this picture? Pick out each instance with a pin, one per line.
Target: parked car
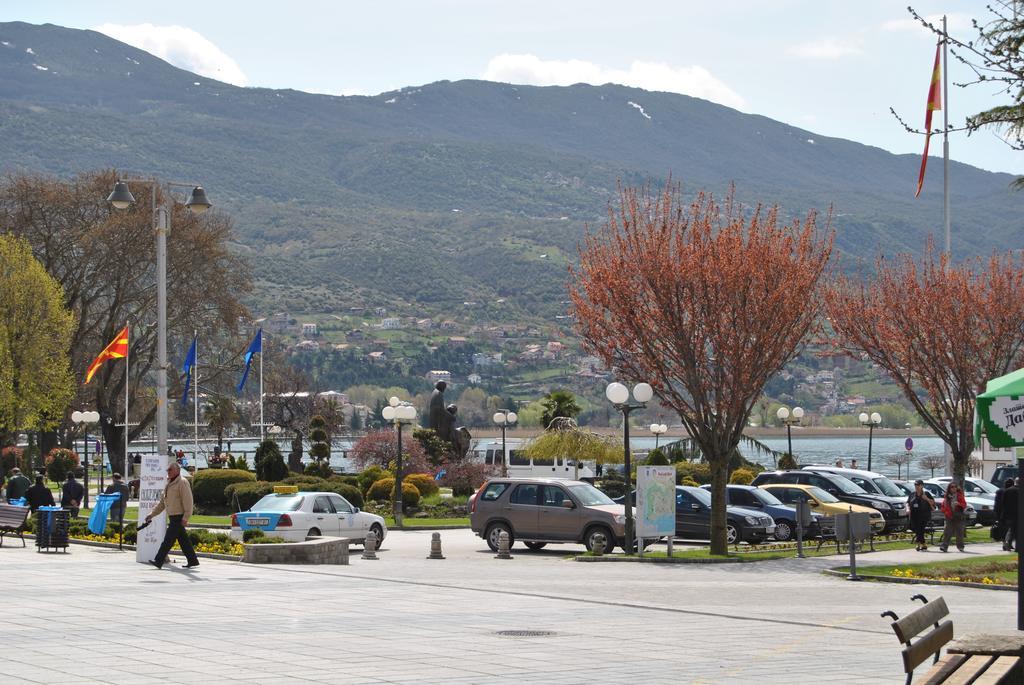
(893, 509)
(871, 481)
(1003, 474)
(784, 515)
(541, 511)
(693, 518)
(822, 502)
(295, 516)
(983, 506)
(938, 518)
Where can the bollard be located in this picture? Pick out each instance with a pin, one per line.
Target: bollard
(503, 546)
(599, 544)
(801, 514)
(435, 547)
(370, 546)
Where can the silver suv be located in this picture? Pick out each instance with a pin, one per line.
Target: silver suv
(540, 511)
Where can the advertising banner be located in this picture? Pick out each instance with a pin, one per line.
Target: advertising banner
(152, 481)
(655, 501)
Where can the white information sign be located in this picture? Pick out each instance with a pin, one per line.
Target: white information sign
(152, 481)
(1008, 414)
(655, 501)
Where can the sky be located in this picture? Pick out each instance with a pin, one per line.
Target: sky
(833, 67)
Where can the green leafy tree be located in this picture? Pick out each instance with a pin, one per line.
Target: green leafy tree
(558, 404)
(36, 385)
(220, 415)
(270, 464)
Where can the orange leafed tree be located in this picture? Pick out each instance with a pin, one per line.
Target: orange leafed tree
(941, 331)
(703, 301)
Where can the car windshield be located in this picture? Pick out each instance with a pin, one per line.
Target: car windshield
(589, 496)
(766, 497)
(702, 496)
(888, 487)
(821, 495)
(847, 485)
(278, 503)
(984, 485)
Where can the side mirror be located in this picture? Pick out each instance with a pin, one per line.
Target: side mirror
(568, 504)
(355, 510)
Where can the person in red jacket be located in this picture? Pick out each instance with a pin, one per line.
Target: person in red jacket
(953, 507)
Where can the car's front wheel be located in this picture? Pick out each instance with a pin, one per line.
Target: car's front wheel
(732, 533)
(379, 532)
(494, 531)
(591, 540)
(783, 530)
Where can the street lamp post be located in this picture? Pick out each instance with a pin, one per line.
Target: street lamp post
(122, 198)
(790, 418)
(400, 413)
(504, 418)
(618, 395)
(658, 429)
(871, 422)
(85, 418)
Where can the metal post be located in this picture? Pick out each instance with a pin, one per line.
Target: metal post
(397, 503)
(1020, 555)
(162, 229)
(789, 438)
(99, 453)
(871, 432)
(945, 136)
(504, 450)
(801, 509)
(85, 499)
(628, 546)
(853, 550)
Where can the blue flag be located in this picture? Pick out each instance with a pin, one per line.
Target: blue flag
(255, 346)
(190, 361)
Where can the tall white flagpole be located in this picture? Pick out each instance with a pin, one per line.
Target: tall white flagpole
(945, 134)
(195, 402)
(127, 474)
(262, 427)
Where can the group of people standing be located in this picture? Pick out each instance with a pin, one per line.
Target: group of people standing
(954, 506)
(72, 493)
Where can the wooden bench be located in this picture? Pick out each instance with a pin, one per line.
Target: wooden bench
(926, 630)
(14, 521)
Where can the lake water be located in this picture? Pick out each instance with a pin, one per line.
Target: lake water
(807, 450)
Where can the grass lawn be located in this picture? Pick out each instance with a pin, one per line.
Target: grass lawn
(998, 568)
(196, 519)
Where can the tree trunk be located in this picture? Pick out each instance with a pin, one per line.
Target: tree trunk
(47, 441)
(719, 478)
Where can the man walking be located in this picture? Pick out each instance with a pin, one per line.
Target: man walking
(71, 495)
(1011, 500)
(18, 485)
(177, 500)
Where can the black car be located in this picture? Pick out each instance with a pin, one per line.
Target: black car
(893, 509)
(1003, 474)
(693, 518)
(749, 497)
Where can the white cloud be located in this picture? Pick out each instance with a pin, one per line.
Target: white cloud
(954, 22)
(534, 71)
(182, 47)
(825, 49)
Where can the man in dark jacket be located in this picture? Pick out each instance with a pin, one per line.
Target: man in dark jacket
(117, 512)
(1010, 502)
(18, 485)
(71, 495)
(39, 495)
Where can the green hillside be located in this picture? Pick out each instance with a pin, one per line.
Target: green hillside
(426, 197)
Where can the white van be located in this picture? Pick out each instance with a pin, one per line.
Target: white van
(521, 466)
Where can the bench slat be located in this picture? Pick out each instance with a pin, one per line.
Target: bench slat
(926, 645)
(969, 670)
(940, 671)
(1000, 669)
(913, 623)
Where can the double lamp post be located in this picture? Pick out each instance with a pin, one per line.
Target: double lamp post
(618, 394)
(505, 419)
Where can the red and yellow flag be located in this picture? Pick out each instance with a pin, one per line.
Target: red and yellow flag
(934, 103)
(117, 349)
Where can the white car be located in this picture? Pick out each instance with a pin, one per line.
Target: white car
(296, 516)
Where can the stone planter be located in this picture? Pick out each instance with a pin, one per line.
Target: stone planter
(322, 550)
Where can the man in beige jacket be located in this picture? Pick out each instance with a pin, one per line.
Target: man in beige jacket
(177, 501)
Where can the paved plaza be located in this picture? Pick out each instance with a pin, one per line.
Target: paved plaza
(95, 616)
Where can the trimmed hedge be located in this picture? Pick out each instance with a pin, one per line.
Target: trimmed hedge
(697, 471)
(319, 469)
(382, 490)
(742, 477)
(424, 482)
(300, 479)
(309, 484)
(370, 475)
(247, 494)
(209, 485)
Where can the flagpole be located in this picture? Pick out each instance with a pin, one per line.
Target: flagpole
(127, 465)
(195, 401)
(262, 427)
(945, 134)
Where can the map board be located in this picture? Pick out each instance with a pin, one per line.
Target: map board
(655, 501)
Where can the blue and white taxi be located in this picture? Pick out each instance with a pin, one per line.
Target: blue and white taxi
(294, 516)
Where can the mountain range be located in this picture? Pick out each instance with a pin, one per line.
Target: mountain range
(425, 197)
